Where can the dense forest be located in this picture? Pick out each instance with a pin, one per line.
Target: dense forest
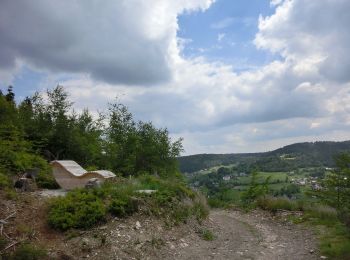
(288, 158)
(45, 127)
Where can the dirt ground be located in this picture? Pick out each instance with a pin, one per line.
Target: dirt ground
(252, 235)
(237, 235)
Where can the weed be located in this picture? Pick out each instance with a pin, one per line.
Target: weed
(157, 242)
(207, 235)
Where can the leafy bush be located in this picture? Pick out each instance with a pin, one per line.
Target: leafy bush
(122, 207)
(78, 209)
(46, 181)
(168, 190)
(255, 190)
(172, 200)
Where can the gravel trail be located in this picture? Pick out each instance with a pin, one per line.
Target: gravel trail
(248, 236)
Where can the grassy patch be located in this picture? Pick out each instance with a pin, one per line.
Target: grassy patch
(207, 235)
(278, 203)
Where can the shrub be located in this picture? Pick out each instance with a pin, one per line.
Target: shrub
(78, 209)
(46, 181)
(122, 207)
(28, 252)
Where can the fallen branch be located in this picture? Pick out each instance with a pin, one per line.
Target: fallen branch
(3, 221)
(11, 245)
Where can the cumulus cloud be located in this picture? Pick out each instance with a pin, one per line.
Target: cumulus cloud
(127, 41)
(311, 32)
(304, 95)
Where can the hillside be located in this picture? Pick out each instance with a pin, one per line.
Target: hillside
(290, 157)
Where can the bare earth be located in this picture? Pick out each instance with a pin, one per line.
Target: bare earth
(238, 235)
(248, 236)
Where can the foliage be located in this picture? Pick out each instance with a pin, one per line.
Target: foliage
(82, 208)
(255, 190)
(78, 209)
(280, 203)
(4, 181)
(288, 158)
(288, 191)
(45, 126)
(207, 235)
(122, 207)
(27, 251)
(46, 181)
(200, 210)
(336, 191)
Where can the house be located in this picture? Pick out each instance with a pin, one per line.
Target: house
(226, 178)
(70, 175)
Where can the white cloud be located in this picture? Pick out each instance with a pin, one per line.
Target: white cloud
(126, 41)
(305, 95)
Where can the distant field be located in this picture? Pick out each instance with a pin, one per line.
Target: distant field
(262, 176)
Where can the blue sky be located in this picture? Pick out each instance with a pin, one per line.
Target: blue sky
(228, 76)
(225, 32)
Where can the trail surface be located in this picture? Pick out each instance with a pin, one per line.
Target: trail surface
(247, 236)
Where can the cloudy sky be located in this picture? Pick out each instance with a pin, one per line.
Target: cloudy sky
(227, 76)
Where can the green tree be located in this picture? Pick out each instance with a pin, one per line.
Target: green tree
(337, 184)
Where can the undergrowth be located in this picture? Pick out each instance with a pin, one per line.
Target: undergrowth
(26, 251)
(171, 200)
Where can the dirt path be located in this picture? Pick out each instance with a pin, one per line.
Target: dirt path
(247, 236)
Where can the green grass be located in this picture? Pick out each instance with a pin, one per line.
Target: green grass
(261, 177)
(207, 235)
(273, 204)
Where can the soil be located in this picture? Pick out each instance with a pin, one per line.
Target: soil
(255, 235)
(237, 235)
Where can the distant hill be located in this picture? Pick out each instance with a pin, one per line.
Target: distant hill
(290, 157)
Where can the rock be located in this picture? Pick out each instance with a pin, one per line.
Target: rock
(31, 173)
(137, 225)
(146, 191)
(323, 257)
(25, 184)
(311, 251)
(93, 183)
(103, 228)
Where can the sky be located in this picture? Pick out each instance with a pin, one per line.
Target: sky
(227, 76)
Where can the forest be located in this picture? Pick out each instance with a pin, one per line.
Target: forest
(289, 158)
(45, 127)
